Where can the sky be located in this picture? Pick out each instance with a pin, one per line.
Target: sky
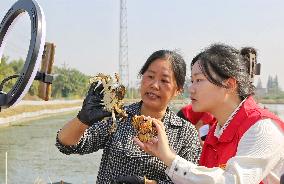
(86, 32)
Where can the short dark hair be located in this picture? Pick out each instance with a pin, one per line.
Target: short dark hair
(219, 62)
(176, 60)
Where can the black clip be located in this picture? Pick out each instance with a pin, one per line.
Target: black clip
(44, 77)
(254, 67)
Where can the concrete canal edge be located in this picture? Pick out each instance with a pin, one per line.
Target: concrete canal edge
(42, 112)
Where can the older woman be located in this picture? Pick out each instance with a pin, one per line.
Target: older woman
(163, 77)
(246, 144)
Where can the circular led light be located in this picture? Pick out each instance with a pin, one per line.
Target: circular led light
(36, 47)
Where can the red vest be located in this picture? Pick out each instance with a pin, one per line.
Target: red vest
(194, 117)
(216, 152)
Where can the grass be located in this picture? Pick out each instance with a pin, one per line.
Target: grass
(271, 101)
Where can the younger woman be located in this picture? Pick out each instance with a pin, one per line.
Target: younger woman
(246, 146)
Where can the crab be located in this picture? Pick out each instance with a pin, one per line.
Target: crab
(145, 128)
(114, 93)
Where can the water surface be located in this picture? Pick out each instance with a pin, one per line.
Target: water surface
(32, 155)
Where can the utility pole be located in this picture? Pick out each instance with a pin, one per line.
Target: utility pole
(123, 45)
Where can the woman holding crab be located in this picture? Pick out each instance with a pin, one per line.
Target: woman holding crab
(163, 77)
(246, 145)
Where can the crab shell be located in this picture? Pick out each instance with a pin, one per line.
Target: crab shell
(145, 137)
(145, 128)
(114, 93)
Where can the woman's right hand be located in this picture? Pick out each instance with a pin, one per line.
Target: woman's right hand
(159, 146)
(92, 109)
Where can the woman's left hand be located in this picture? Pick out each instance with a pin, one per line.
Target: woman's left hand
(159, 146)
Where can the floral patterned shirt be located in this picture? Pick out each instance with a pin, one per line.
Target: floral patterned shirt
(121, 156)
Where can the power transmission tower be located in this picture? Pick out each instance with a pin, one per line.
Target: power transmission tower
(123, 45)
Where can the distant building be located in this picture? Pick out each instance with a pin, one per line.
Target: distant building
(260, 91)
(273, 85)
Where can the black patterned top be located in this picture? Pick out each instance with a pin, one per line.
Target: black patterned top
(121, 156)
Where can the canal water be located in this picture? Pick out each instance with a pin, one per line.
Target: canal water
(33, 157)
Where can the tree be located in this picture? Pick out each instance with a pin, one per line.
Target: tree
(7, 70)
(69, 83)
(17, 65)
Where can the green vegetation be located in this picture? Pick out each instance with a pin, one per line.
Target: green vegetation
(70, 83)
(272, 98)
(8, 69)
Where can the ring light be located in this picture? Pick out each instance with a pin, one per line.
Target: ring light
(36, 47)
